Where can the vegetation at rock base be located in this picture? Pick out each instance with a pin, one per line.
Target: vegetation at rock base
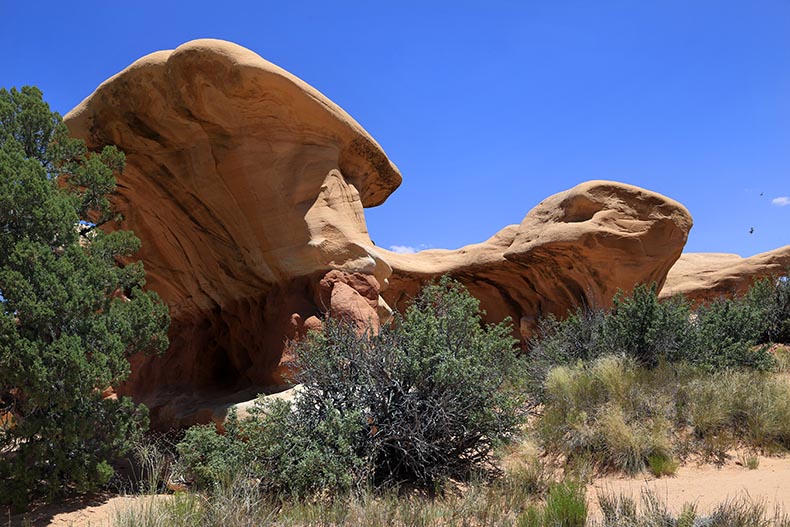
(724, 334)
(69, 313)
(649, 383)
(426, 399)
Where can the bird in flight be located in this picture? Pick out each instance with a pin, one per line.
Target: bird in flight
(751, 231)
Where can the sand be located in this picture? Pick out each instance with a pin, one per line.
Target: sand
(707, 486)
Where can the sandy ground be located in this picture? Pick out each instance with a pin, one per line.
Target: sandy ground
(92, 512)
(706, 486)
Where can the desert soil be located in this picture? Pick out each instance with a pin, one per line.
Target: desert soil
(706, 486)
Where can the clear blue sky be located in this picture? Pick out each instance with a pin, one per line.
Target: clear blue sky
(488, 107)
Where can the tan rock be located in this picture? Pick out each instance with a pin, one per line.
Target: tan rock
(578, 246)
(246, 187)
(702, 277)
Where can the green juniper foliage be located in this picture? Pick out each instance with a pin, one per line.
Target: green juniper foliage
(69, 314)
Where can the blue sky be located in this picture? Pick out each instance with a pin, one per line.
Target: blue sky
(489, 107)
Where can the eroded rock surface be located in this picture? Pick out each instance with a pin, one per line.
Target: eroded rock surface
(703, 277)
(246, 186)
(578, 246)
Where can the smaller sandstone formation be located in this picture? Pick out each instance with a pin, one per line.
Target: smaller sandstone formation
(702, 277)
(576, 247)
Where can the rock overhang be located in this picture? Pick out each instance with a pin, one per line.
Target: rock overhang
(247, 187)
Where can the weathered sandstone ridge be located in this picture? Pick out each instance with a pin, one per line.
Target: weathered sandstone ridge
(702, 277)
(578, 246)
(247, 188)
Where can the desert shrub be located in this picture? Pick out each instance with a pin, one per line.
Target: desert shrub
(750, 407)
(724, 334)
(622, 416)
(566, 505)
(290, 456)
(210, 457)
(642, 327)
(300, 450)
(529, 475)
(638, 326)
(579, 337)
(771, 297)
(606, 413)
(427, 398)
(728, 331)
(760, 409)
(660, 465)
(622, 511)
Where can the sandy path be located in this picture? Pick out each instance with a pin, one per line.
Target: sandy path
(707, 486)
(97, 512)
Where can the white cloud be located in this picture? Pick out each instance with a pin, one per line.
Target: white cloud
(781, 201)
(402, 249)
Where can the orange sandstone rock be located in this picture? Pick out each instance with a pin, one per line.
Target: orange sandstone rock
(246, 186)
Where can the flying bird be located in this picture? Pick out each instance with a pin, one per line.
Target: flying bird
(751, 231)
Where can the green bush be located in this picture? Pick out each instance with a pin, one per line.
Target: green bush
(650, 331)
(723, 334)
(69, 314)
(566, 505)
(771, 297)
(729, 330)
(426, 399)
(579, 337)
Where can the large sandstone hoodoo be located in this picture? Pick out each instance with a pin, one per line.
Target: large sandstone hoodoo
(247, 188)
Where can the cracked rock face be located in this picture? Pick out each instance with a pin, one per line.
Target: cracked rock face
(247, 189)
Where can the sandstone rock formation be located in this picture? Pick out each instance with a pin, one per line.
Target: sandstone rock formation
(702, 277)
(247, 188)
(578, 246)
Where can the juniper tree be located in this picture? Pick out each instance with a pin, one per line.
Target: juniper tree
(70, 314)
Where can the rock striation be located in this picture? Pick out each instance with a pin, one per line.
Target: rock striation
(702, 277)
(247, 189)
